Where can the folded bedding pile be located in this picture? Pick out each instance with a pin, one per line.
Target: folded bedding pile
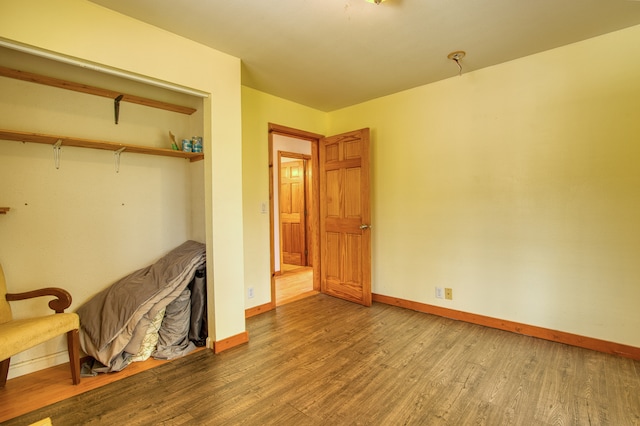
(147, 313)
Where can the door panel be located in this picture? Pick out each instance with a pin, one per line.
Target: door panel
(332, 178)
(332, 259)
(344, 208)
(352, 202)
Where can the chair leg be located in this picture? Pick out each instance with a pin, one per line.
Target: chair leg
(73, 344)
(4, 371)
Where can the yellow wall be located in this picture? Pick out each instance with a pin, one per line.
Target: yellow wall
(517, 186)
(84, 30)
(258, 110)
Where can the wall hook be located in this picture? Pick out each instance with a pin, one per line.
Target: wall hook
(116, 107)
(117, 158)
(56, 153)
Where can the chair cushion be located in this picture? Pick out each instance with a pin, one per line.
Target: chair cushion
(19, 335)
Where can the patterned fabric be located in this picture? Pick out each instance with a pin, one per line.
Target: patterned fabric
(150, 338)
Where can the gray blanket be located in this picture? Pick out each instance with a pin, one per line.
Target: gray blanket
(109, 319)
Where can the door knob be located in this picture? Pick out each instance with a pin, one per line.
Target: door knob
(364, 226)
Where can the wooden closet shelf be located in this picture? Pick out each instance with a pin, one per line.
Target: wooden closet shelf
(78, 87)
(12, 135)
(4, 210)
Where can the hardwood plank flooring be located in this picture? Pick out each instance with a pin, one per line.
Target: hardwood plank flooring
(286, 267)
(295, 283)
(33, 391)
(323, 361)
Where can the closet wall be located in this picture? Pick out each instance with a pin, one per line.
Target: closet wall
(84, 225)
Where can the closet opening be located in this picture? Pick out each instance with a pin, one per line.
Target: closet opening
(120, 197)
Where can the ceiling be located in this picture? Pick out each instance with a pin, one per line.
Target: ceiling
(329, 54)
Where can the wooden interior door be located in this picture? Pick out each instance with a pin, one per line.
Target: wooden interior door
(292, 212)
(345, 216)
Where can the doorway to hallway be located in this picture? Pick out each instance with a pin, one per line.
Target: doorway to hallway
(293, 160)
(295, 279)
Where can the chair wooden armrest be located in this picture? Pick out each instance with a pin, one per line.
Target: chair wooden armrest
(25, 333)
(62, 301)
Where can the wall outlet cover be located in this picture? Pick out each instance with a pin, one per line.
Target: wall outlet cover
(448, 294)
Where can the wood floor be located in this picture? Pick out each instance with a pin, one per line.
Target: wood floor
(295, 283)
(322, 361)
(33, 391)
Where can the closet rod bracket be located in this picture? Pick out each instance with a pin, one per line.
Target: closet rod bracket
(117, 157)
(56, 153)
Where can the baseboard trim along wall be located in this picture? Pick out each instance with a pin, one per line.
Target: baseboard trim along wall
(528, 330)
(231, 342)
(32, 365)
(257, 310)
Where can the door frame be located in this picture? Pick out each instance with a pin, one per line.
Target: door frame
(314, 138)
(307, 196)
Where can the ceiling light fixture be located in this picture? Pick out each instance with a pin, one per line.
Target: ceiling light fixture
(376, 1)
(457, 56)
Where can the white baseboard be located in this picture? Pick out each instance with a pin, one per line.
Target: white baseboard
(31, 366)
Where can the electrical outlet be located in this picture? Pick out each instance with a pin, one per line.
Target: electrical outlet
(250, 293)
(439, 293)
(448, 293)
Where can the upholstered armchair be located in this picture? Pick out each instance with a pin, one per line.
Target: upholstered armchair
(19, 335)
